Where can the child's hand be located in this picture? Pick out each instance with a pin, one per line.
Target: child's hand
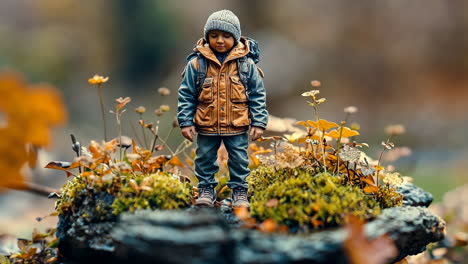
(189, 132)
(256, 132)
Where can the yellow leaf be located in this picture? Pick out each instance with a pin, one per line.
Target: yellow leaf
(175, 161)
(269, 138)
(368, 179)
(347, 132)
(189, 161)
(322, 124)
(302, 123)
(379, 168)
(371, 189)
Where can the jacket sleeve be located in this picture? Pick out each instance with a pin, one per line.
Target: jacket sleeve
(187, 97)
(257, 98)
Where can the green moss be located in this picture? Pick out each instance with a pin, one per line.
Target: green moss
(164, 192)
(107, 199)
(301, 196)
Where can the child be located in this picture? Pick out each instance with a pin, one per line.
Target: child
(221, 96)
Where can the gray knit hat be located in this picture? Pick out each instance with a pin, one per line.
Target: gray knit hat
(224, 20)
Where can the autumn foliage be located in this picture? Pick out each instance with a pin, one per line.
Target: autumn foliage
(27, 114)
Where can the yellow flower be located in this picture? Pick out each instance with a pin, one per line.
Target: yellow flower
(140, 110)
(311, 93)
(158, 112)
(98, 79)
(164, 108)
(164, 91)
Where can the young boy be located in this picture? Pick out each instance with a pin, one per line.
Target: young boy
(219, 102)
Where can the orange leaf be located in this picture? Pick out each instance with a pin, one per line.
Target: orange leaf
(242, 212)
(122, 102)
(362, 251)
(269, 138)
(371, 189)
(175, 161)
(189, 161)
(268, 226)
(316, 223)
(62, 165)
(302, 123)
(368, 179)
(379, 168)
(322, 124)
(347, 132)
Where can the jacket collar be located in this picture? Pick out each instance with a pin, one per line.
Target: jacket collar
(240, 50)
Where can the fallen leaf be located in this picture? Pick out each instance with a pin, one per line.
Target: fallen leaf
(362, 251)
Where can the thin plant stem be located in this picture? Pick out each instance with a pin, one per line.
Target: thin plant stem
(120, 134)
(135, 132)
(144, 134)
(378, 165)
(338, 147)
(168, 134)
(167, 146)
(323, 151)
(101, 101)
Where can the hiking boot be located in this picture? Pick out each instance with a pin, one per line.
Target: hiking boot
(239, 197)
(206, 196)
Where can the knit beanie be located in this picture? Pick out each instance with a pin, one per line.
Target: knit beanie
(224, 20)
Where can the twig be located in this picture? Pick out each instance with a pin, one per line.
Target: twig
(33, 188)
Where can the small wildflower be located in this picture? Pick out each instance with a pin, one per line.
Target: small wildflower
(315, 83)
(355, 126)
(388, 145)
(350, 154)
(122, 102)
(97, 79)
(140, 110)
(164, 91)
(393, 178)
(311, 93)
(164, 108)
(321, 100)
(158, 112)
(393, 130)
(350, 110)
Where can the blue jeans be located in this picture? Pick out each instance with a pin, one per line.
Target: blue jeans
(206, 164)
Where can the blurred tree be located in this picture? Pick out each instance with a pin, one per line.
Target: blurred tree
(147, 34)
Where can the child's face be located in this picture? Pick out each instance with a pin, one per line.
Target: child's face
(220, 41)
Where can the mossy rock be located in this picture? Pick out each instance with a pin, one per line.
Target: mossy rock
(304, 198)
(89, 206)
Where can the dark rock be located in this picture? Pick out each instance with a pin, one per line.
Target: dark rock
(204, 237)
(414, 196)
(84, 233)
(411, 228)
(174, 237)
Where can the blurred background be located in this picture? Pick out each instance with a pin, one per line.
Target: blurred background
(399, 62)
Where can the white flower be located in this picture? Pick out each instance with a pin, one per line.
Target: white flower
(311, 93)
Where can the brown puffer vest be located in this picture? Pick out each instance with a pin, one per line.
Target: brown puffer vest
(222, 101)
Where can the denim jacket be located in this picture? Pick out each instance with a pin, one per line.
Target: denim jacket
(222, 105)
